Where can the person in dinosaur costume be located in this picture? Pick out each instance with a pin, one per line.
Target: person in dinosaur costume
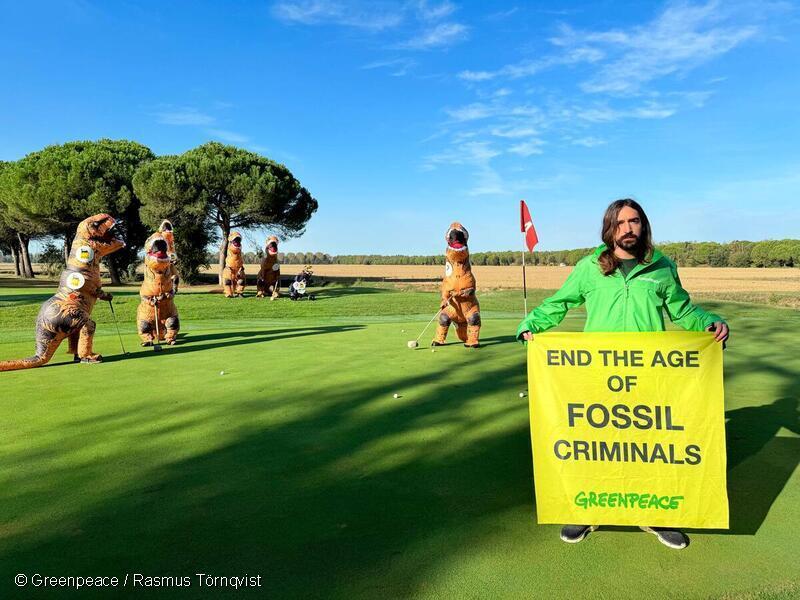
(233, 277)
(68, 313)
(157, 316)
(459, 303)
(269, 277)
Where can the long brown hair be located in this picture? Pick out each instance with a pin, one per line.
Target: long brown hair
(608, 261)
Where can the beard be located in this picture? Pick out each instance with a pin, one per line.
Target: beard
(630, 243)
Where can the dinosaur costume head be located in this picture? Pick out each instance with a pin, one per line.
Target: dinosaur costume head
(157, 256)
(166, 230)
(235, 243)
(272, 245)
(96, 237)
(457, 237)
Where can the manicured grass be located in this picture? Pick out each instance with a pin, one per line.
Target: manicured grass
(299, 465)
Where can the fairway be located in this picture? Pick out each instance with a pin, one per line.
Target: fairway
(269, 442)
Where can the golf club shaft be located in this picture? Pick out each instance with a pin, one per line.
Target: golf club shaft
(119, 335)
(431, 321)
(158, 335)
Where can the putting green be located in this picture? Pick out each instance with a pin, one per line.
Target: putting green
(299, 465)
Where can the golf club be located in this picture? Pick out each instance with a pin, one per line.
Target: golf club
(157, 342)
(415, 343)
(119, 335)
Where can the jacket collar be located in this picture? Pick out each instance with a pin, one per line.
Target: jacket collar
(657, 256)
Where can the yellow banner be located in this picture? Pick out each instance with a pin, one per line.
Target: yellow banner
(628, 429)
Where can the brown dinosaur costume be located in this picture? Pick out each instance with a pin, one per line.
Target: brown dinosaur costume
(67, 314)
(459, 303)
(233, 277)
(157, 294)
(269, 276)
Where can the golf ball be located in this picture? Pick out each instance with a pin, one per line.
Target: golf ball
(522, 394)
(396, 395)
(433, 349)
(222, 372)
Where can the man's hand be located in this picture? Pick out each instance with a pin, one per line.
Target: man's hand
(527, 336)
(720, 330)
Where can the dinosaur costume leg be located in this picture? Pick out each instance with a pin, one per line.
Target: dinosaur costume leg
(145, 316)
(85, 343)
(261, 287)
(227, 282)
(240, 281)
(473, 327)
(447, 316)
(73, 343)
(172, 325)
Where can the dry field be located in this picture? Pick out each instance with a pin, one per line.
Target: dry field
(695, 279)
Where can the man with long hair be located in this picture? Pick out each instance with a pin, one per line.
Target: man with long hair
(626, 285)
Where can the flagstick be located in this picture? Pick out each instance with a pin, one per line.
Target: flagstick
(524, 285)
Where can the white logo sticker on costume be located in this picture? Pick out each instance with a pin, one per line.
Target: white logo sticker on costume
(448, 269)
(276, 267)
(75, 281)
(85, 254)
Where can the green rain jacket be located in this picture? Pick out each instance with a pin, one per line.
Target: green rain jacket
(617, 303)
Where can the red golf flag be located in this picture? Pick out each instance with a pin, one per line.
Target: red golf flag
(526, 226)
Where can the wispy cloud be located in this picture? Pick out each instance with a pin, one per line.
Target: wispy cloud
(424, 16)
(589, 142)
(527, 148)
(397, 66)
(353, 14)
(431, 11)
(183, 116)
(443, 34)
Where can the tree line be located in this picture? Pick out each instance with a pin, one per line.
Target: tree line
(768, 253)
(206, 192)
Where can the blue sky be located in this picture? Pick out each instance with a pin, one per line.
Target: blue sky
(402, 116)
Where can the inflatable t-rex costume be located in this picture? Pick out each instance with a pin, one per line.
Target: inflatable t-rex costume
(459, 303)
(67, 314)
(157, 294)
(233, 277)
(269, 277)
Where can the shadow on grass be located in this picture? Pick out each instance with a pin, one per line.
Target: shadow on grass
(760, 461)
(237, 338)
(325, 505)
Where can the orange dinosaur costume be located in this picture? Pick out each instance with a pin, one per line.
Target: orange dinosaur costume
(269, 276)
(233, 277)
(157, 294)
(68, 313)
(459, 303)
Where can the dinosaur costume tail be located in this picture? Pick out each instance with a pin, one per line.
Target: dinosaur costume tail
(32, 361)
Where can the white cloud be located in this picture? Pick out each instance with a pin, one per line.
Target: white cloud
(398, 66)
(525, 149)
(184, 116)
(678, 40)
(589, 142)
(443, 34)
(354, 14)
(471, 112)
(433, 12)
